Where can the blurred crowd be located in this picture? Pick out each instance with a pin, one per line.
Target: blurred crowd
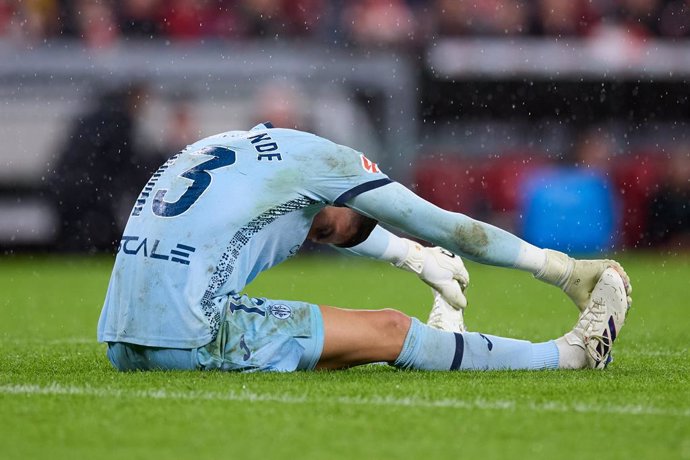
(638, 198)
(598, 195)
(103, 23)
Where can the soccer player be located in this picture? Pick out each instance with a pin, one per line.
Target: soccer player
(232, 205)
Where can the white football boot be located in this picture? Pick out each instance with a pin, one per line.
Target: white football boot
(443, 316)
(601, 321)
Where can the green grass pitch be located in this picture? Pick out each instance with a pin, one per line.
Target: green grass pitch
(59, 398)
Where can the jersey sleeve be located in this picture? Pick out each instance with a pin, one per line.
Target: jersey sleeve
(341, 173)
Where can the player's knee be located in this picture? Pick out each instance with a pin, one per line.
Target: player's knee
(395, 322)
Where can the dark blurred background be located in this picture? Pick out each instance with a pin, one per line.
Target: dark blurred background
(564, 121)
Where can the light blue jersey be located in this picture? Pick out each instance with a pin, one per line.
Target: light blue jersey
(211, 219)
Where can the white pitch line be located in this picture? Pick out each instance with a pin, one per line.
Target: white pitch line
(56, 389)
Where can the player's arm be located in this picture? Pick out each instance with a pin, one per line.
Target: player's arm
(440, 269)
(401, 208)
(354, 233)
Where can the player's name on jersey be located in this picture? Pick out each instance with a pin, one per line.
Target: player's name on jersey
(155, 249)
(263, 144)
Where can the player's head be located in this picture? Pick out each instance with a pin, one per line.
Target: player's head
(340, 226)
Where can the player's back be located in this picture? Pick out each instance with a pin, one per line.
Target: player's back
(209, 220)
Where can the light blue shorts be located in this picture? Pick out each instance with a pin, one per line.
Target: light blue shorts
(256, 334)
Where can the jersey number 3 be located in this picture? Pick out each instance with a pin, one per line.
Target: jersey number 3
(200, 178)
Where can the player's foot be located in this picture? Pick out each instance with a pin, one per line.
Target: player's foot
(577, 278)
(445, 317)
(600, 322)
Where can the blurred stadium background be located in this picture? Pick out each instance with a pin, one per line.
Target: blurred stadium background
(565, 121)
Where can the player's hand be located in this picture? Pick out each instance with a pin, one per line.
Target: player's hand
(577, 278)
(442, 270)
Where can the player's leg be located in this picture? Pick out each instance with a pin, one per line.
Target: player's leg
(353, 337)
(132, 357)
(357, 337)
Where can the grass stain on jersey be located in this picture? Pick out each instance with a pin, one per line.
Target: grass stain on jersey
(472, 239)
